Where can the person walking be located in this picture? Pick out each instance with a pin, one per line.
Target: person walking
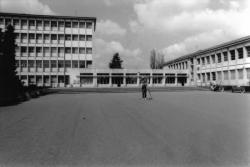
(144, 89)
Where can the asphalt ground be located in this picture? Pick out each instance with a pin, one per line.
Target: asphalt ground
(191, 128)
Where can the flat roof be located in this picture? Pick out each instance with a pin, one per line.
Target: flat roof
(48, 16)
(211, 49)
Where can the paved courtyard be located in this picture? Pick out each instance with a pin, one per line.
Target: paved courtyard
(198, 128)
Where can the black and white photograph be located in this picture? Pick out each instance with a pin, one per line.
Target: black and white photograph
(124, 83)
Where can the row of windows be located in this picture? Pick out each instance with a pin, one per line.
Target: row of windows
(183, 65)
(224, 75)
(54, 50)
(224, 56)
(52, 64)
(52, 37)
(45, 23)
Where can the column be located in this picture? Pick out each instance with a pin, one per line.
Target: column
(163, 80)
(124, 80)
(110, 80)
(176, 80)
(138, 80)
(151, 80)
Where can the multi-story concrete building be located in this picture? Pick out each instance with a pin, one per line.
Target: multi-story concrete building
(225, 64)
(51, 50)
(57, 51)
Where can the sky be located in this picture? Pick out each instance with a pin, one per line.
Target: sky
(135, 27)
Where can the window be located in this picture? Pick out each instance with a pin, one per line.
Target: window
(46, 37)
(89, 51)
(75, 37)
(61, 24)
(53, 50)
(24, 36)
(213, 59)
(39, 63)
(232, 72)
(16, 22)
(82, 25)
(248, 51)
(7, 21)
(75, 50)
(53, 64)
(240, 73)
(203, 60)
(54, 24)
(68, 24)
(225, 73)
(23, 49)
(53, 37)
(61, 50)
(17, 64)
(74, 64)
(232, 52)
(46, 24)
(89, 37)
(75, 24)
(89, 25)
(82, 64)
(82, 37)
(1, 21)
(60, 64)
(39, 36)
(46, 50)
(208, 60)
(24, 23)
(31, 63)
(208, 76)
(213, 76)
(31, 23)
(39, 23)
(248, 73)
(82, 50)
(24, 63)
(68, 50)
(61, 37)
(31, 36)
(46, 63)
(38, 50)
(219, 57)
(31, 50)
(219, 75)
(240, 53)
(68, 37)
(68, 64)
(198, 61)
(225, 56)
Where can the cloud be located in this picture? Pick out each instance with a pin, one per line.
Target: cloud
(193, 24)
(108, 27)
(25, 6)
(104, 51)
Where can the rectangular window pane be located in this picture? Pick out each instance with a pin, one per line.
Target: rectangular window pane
(240, 53)
(240, 73)
(248, 51)
(232, 52)
(225, 56)
(219, 57)
(232, 73)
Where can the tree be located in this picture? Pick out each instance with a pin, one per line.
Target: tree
(156, 59)
(10, 84)
(116, 62)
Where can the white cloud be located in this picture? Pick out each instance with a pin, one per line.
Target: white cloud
(25, 6)
(108, 27)
(104, 51)
(195, 24)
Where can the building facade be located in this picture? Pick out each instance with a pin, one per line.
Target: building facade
(225, 64)
(51, 49)
(130, 78)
